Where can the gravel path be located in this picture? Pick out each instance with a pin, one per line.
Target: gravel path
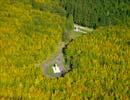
(59, 59)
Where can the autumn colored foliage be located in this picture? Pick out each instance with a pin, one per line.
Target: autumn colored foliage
(29, 34)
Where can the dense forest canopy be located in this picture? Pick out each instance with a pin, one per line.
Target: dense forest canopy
(93, 13)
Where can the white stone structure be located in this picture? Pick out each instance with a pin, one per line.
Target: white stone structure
(56, 69)
(78, 28)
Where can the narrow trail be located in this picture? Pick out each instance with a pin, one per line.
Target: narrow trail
(59, 57)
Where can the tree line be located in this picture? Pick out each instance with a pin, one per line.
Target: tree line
(94, 13)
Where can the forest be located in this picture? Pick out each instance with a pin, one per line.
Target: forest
(30, 32)
(95, 13)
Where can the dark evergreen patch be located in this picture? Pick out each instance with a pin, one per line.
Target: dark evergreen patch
(94, 13)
